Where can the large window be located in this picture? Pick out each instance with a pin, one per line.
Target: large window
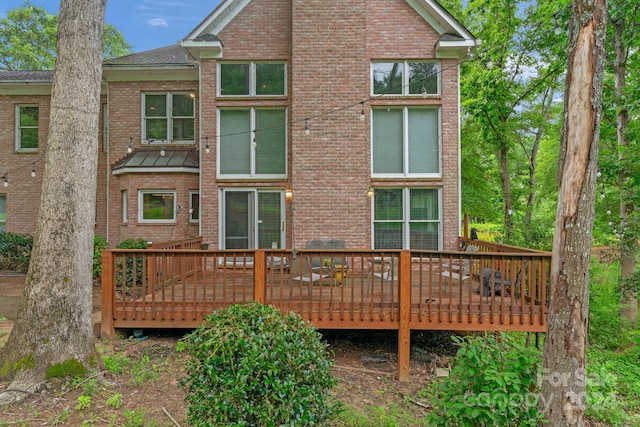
(252, 79)
(406, 218)
(26, 128)
(157, 206)
(253, 143)
(3, 212)
(169, 117)
(406, 142)
(406, 78)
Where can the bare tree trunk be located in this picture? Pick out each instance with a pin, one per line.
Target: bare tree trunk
(565, 348)
(54, 323)
(628, 242)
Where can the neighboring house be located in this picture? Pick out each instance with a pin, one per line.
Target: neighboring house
(270, 124)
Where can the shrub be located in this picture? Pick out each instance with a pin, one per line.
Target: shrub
(15, 252)
(252, 365)
(493, 382)
(99, 243)
(130, 243)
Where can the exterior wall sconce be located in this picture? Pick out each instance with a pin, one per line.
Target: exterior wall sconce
(370, 192)
(288, 194)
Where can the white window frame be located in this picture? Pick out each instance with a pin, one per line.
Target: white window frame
(18, 129)
(405, 77)
(252, 155)
(141, 219)
(125, 206)
(405, 145)
(252, 79)
(191, 210)
(169, 117)
(3, 218)
(406, 218)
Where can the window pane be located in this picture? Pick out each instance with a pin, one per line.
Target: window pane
(424, 152)
(387, 78)
(424, 205)
(157, 206)
(388, 205)
(182, 105)
(424, 235)
(270, 79)
(271, 150)
(155, 105)
(268, 219)
(195, 206)
(235, 142)
(156, 129)
(234, 79)
(3, 212)
(387, 141)
(29, 116)
(183, 130)
(423, 74)
(387, 235)
(29, 138)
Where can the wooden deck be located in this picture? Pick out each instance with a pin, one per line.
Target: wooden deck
(398, 290)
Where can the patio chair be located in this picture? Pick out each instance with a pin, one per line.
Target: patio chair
(315, 271)
(494, 283)
(458, 270)
(321, 267)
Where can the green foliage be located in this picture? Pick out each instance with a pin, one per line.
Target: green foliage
(493, 382)
(130, 243)
(252, 365)
(15, 252)
(68, 368)
(116, 363)
(99, 243)
(83, 402)
(115, 401)
(28, 39)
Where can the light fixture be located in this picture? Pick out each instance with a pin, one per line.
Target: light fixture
(288, 194)
(206, 146)
(424, 92)
(6, 182)
(306, 127)
(362, 111)
(162, 151)
(608, 211)
(33, 172)
(370, 192)
(130, 147)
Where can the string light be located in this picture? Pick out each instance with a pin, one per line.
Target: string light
(130, 147)
(206, 146)
(306, 127)
(362, 111)
(33, 172)
(6, 182)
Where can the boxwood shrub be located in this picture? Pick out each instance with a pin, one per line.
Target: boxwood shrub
(251, 365)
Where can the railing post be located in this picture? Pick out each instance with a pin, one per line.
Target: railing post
(404, 329)
(260, 274)
(108, 289)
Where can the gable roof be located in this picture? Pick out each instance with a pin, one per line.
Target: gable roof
(455, 38)
(168, 56)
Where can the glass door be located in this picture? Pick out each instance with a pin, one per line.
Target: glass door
(253, 219)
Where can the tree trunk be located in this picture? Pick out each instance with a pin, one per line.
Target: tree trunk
(564, 378)
(628, 242)
(505, 182)
(54, 322)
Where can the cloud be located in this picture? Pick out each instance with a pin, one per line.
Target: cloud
(158, 22)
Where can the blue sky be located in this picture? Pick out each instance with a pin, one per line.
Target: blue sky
(146, 24)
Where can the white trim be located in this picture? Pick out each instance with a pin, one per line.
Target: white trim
(124, 197)
(252, 79)
(141, 194)
(155, 170)
(405, 77)
(169, 117)
(439, 18)
(218, 19)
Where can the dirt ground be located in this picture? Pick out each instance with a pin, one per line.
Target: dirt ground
(146, 392)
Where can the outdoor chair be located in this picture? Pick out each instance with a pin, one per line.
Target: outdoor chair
(459, 270)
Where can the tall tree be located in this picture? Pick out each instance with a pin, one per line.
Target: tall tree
(565, 348)
(28, 39)
(623, 19)
(54, 322)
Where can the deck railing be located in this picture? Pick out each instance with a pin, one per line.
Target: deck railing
(332, 289)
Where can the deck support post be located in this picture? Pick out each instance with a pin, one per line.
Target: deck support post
(404, 328)
(259, 278)
(106, 323)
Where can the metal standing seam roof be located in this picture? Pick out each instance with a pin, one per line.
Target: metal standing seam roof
(149, 159)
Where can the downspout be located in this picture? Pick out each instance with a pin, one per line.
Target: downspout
(107, 126)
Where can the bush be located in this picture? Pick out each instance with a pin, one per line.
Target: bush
(99, 243)
(252, 365)
(15, 252)
(493, 382)
(130, 243)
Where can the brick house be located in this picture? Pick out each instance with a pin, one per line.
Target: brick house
(272, 123)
